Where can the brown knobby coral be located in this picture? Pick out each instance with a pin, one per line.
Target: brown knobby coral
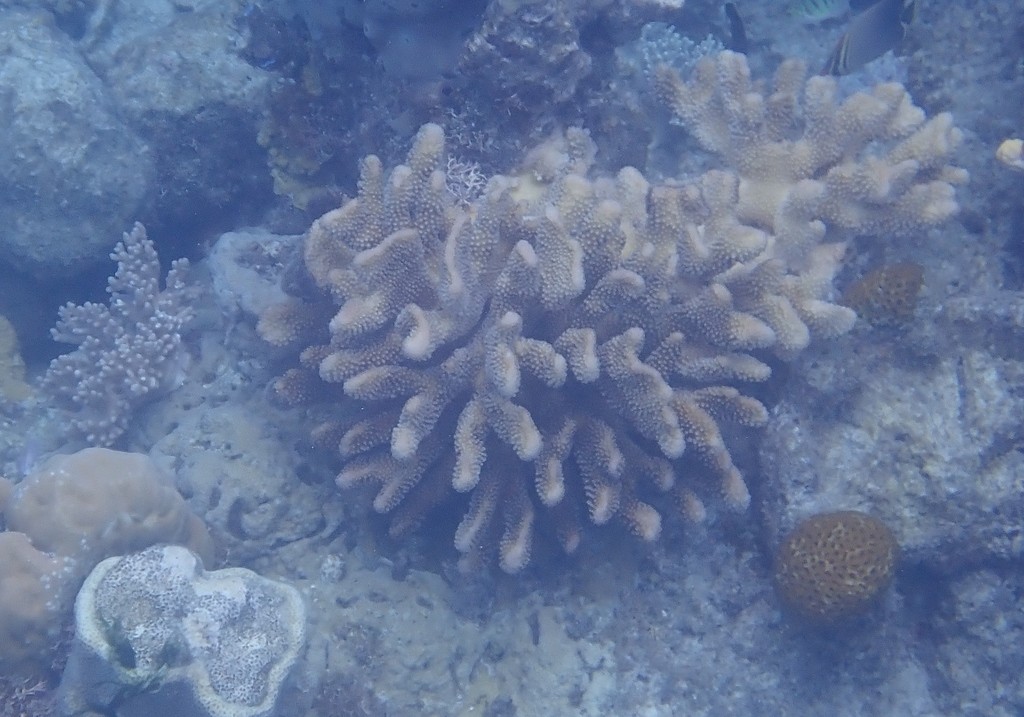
(886, 295)
(833, 566)
(561, 350)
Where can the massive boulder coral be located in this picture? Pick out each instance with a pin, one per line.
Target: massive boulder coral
(562, 350)
(65, 517)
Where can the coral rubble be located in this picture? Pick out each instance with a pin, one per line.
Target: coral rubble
(564, 348)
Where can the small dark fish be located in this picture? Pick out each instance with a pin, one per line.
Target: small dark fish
(737, 31)
(871, 34)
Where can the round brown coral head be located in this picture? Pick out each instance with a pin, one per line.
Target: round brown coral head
(834, 566)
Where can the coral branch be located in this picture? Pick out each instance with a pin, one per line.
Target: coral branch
(562, 346)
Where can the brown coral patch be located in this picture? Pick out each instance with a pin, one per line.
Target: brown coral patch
(888, 294)
(833, 566)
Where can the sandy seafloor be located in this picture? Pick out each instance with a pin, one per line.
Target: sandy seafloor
(690, 625)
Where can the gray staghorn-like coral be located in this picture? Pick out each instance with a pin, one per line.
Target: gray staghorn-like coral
(127, 350)
(563, 350)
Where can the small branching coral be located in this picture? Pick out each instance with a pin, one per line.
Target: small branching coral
(127, 351)
(563, 349)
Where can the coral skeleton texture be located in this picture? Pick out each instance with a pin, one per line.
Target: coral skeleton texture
(563, 349)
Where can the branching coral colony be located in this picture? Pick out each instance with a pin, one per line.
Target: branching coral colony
(563, 348)
(128, 350)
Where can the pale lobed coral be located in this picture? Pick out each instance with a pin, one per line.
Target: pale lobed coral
(563, 349)
(200, 644)
(127, 351)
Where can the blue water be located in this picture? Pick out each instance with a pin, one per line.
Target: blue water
(518, 336)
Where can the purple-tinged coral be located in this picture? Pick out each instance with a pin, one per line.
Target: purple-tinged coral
(127, 350)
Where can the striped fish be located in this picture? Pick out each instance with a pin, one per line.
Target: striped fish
(871, 34)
